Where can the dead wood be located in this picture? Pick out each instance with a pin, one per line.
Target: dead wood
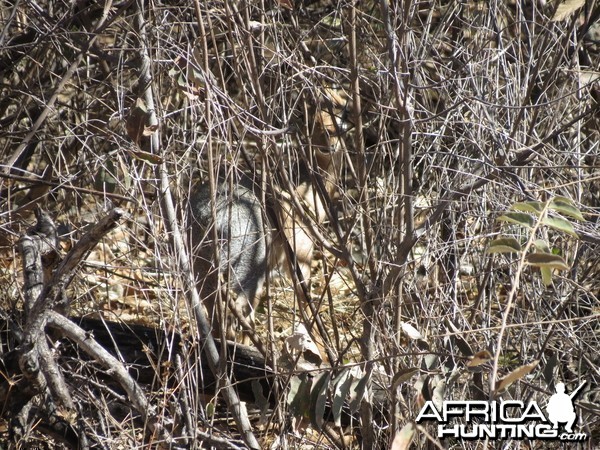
(149, 354)
(44, 298)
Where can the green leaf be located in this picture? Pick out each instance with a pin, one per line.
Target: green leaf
(560, 224)
(341, 386)
(546, 272)
(530, 207)
(566, 207)
(318, 398)
(358, 393)
(547, 260)
(210, 409)
(546, 276)
(504, 245)
(518, 218)
(298, 397)
(561, 199)
(542, 246)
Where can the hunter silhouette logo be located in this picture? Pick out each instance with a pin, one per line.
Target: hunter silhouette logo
(560, 407)
(506, 419)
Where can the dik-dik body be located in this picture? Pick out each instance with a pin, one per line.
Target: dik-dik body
(240, 247)
(244, 229)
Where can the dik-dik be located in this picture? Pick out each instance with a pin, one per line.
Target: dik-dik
(240, 247)
(244, 230)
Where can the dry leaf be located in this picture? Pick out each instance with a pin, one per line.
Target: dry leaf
(301, 342)
(411, 331)
(403, 375)
(479, 358)
(566, 8)
(146, 156)
(286, 4)
(515, 375)
(404, 437)
(136, 121)
(439, 393)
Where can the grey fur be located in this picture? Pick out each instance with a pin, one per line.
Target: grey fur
(241, 248)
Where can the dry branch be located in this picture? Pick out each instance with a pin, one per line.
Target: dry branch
(43, 299)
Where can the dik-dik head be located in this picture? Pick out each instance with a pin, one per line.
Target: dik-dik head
(301, 209)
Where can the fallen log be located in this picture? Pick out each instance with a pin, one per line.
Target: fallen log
(149, 355)
(144, 350)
